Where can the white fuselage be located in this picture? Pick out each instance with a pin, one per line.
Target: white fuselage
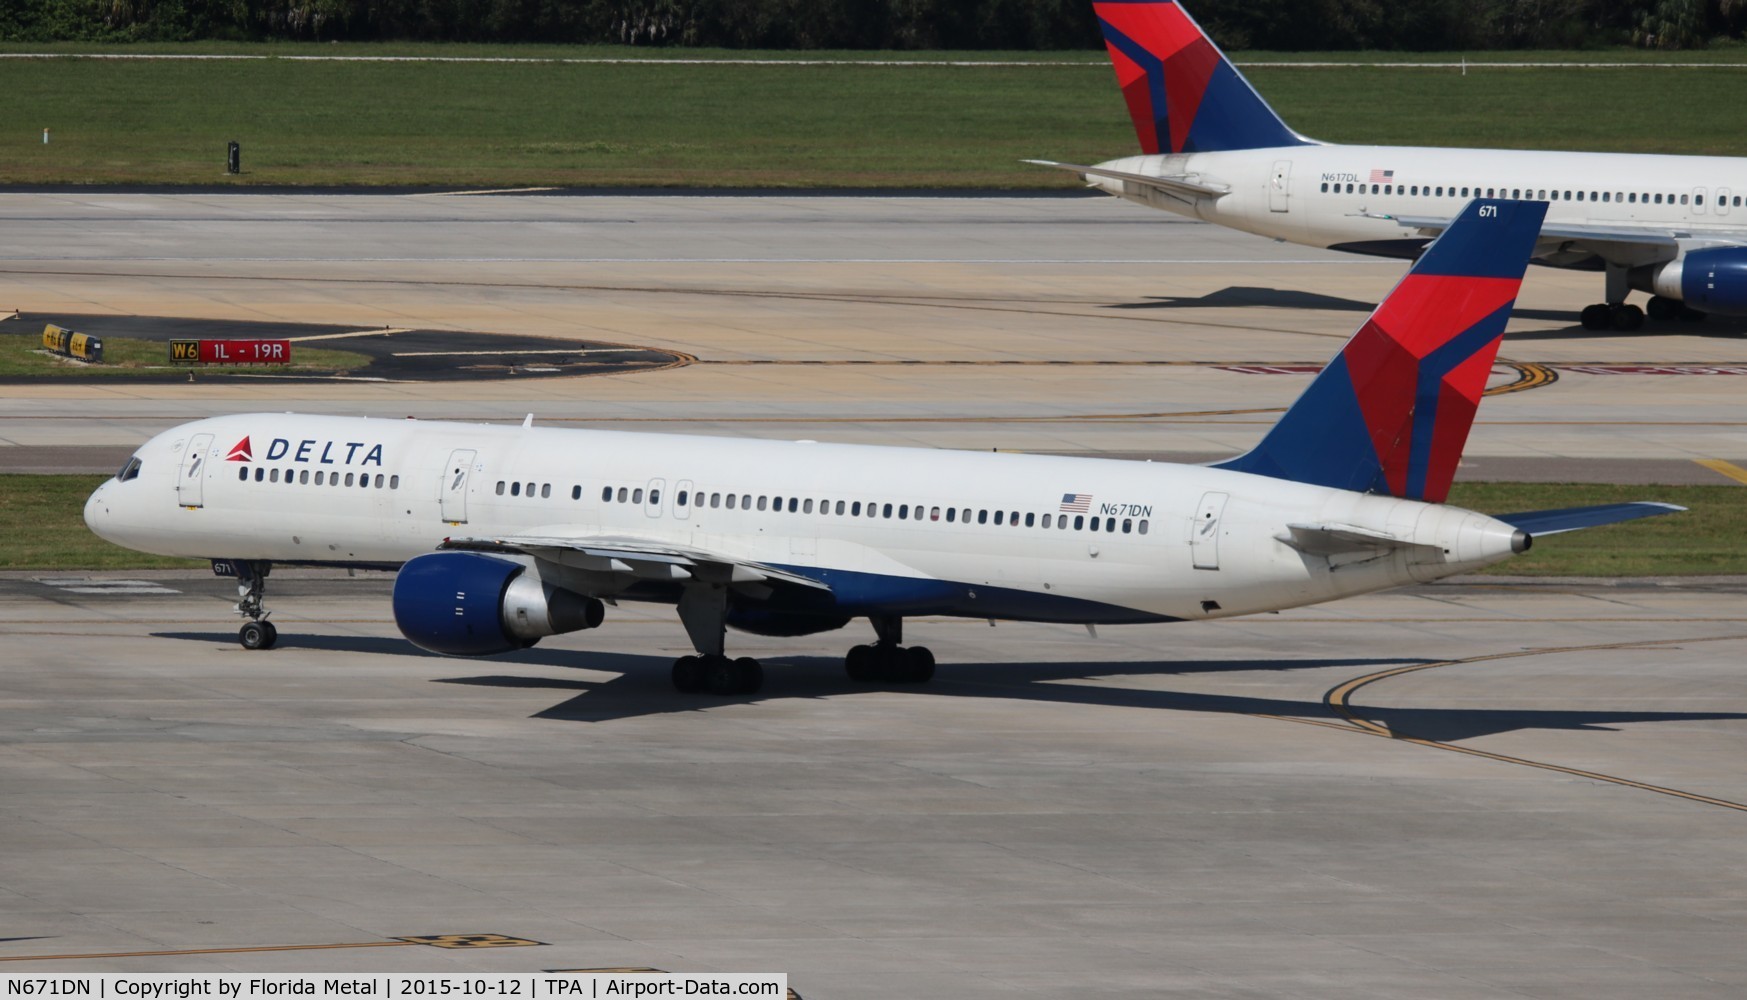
(1343, 196)
(1009, 533)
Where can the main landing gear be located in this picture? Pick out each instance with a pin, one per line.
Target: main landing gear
(703, 610)
(257, 632)
(1614, 316)
(888, 662)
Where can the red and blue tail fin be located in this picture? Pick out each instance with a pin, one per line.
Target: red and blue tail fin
(1183, 94)
(1391, 412)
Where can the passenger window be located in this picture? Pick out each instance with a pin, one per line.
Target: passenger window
(730, 501)
(303, 477)
(273, 475)
(545, 491)
(855, 509)
(1046, 520)
(933, 513)
(839, 508)
(1349, 189)
(637, 496)
(793, 503)
(679, 501)
(1683, 199)
(1127, 525)
(761, 502)
(624, 494)
(318, 477)
(530, 490)
(903, 512)
(888, 510)
(951, 515)
(1110, 524)
(1094, 523)
(1375, 188)
(1698, 199)
(1143, 525)
(500, 485)
(1325, 187)
(1000, 517)
(1030, 520)
(982, 517)
(655, 497)
(575, 491)
(379, 480)
(1079, 521)
(515, 489)
(1388, 189)
(394, 484)
(349, 478)
(1464, 192)
(716, 500)
(606, 494)
(242, 474)
(745, 501)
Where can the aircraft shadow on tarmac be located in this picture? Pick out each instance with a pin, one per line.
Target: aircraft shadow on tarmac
(1288, 298)
(642, 687)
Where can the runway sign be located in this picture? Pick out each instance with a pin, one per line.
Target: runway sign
(230, 352)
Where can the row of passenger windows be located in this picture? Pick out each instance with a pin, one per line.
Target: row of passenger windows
(1439, 191)
(301, 477)
(855, 508)
(840, 508)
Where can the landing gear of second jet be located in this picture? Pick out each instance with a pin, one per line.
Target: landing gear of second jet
(888, 661)
(1617, 316)
(257, 632)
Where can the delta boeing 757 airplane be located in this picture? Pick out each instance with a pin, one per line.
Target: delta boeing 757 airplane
(502, 535)
(1672, 226)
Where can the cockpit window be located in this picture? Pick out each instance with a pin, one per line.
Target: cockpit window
(129, 471)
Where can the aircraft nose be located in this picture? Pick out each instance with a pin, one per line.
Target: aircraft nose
(97, 510)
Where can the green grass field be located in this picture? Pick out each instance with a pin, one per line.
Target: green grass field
(537, 124)
(22, 354)
(42, 528)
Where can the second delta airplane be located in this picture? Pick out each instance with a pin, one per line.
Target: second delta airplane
(1673, 226)
(502, 535)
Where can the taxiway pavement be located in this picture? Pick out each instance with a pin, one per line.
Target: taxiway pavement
(1488, 790)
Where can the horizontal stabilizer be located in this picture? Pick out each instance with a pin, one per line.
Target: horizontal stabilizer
(1551, 522)
(1329, 539)
(1170, 185)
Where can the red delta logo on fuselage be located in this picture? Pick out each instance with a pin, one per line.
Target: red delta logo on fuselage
(311, 451)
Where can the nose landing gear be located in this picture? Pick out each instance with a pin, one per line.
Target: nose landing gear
(257, 632)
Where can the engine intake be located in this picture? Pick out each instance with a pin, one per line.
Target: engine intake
(468, 604)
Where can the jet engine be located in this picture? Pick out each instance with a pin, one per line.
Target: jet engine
(1710, 281)
(468, 604)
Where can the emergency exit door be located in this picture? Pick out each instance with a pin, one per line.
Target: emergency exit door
(1205, 531)
(453, 499)
(1279, 184)
(191, 487)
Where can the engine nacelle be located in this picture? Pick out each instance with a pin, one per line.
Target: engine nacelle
(1711, 281)
(468, 604)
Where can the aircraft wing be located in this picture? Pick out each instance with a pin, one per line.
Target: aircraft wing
(1620, 243)
(1180, 186)
(635, 558)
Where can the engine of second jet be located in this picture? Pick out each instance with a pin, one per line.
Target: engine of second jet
(468, 604)
(1711, 281)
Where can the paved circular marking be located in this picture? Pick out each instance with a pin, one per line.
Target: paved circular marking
(1338, 698)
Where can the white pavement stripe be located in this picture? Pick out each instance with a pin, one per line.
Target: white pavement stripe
(385, 331)
(88, 585)
(554, 350)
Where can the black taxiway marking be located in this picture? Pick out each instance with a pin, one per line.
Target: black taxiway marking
(397, 356)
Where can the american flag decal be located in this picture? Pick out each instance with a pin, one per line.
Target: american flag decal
(1382, 176)
(1076, 503)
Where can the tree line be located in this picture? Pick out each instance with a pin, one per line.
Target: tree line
(1283, 25)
